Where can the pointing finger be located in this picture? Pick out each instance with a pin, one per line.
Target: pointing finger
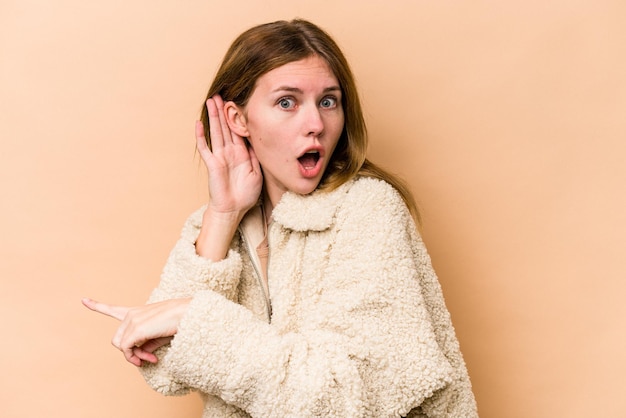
(117, 312)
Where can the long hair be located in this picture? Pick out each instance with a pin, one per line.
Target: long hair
(268, 46)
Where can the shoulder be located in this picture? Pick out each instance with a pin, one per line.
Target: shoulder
(375, 190)
(371, 197)
(319, 210)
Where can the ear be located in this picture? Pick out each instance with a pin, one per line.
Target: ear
(236, 119)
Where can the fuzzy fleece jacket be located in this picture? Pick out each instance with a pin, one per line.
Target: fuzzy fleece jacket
(353, 324)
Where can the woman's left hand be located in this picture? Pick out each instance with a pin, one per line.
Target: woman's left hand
(143, 329)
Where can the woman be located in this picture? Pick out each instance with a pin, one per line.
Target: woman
(302, 288)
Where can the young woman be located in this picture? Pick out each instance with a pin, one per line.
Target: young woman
(303, 287)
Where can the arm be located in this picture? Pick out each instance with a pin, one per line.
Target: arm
(201, 259)
(366, 347)
(185, 274)
(235, 180)
(455, 399)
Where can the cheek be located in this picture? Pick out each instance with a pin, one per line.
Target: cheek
(337, 119)
(337, 127)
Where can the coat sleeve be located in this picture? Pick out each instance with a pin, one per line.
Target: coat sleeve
(185, 273)
(368, 343)
(455, 399)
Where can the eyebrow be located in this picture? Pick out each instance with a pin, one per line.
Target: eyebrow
(297, 90)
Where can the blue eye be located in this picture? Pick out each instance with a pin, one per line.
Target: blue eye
(286, 103)
(328, 102)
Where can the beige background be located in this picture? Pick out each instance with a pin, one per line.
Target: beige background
(507, 118)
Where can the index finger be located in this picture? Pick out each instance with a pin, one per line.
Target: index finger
(117, 312)
(215, 126)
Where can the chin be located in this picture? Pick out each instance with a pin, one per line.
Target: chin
(306, 188)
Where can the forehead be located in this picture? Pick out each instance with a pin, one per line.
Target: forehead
(312, 71)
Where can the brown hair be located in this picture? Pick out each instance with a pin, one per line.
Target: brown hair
(268, 46)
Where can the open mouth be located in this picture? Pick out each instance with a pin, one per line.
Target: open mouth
(309, 160)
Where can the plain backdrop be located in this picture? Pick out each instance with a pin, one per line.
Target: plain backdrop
(506, 118)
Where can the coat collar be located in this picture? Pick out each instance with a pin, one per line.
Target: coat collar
(312, 212)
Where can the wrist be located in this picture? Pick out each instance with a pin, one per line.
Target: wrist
(216, 233)
(216, 217)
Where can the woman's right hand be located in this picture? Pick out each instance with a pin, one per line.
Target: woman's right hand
(235, 177)
(235, 181)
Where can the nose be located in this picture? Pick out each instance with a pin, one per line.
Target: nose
(314, 124)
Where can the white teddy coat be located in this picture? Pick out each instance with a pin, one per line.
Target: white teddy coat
(356, 326)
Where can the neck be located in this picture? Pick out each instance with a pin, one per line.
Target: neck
(268, 207)
(271, 196)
